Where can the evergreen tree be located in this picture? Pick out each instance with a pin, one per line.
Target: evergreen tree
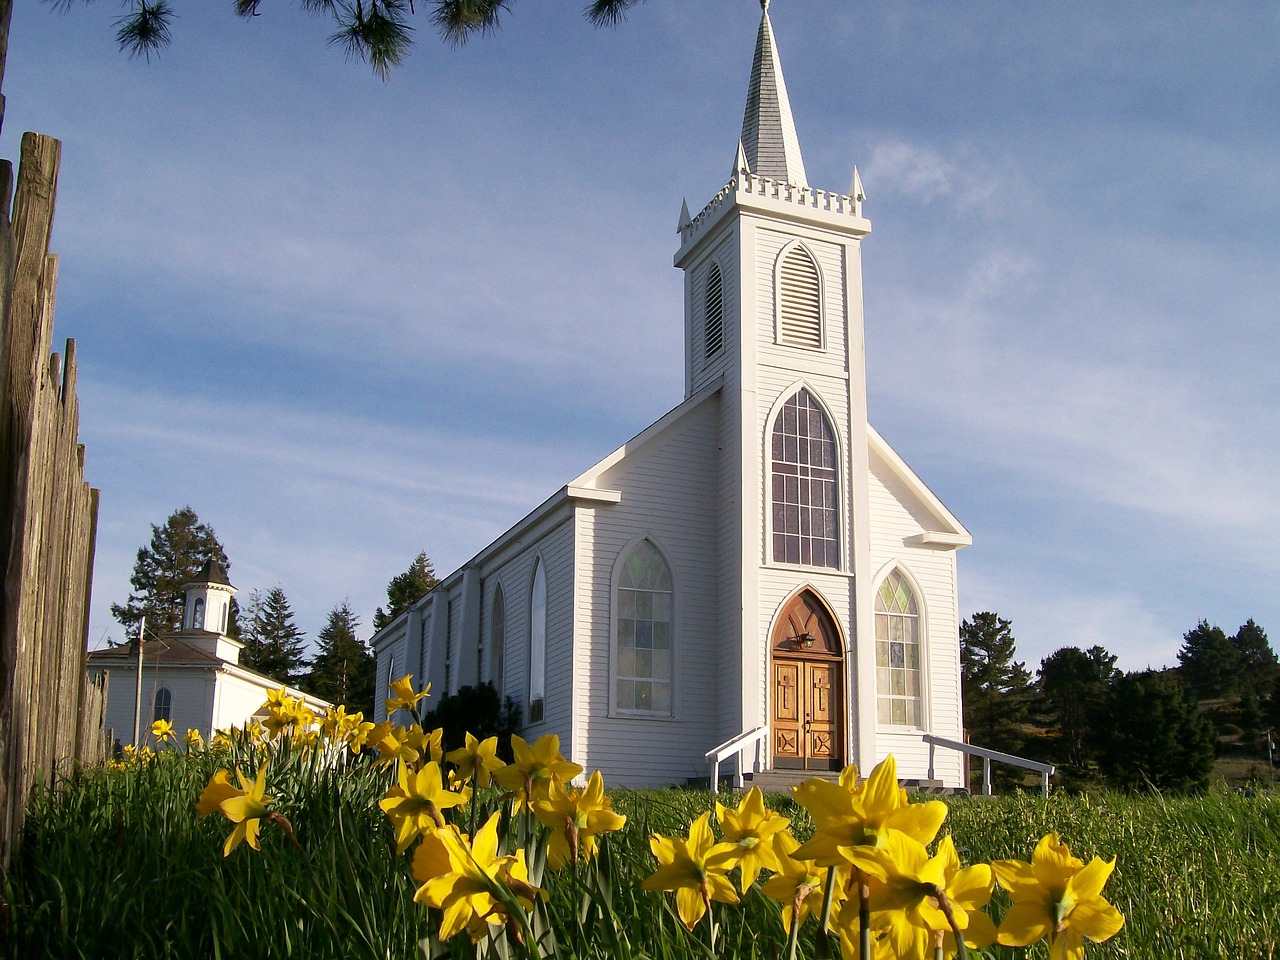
(1209, 662)
(273, 642)
(406, 589)
(177, 552)
(343, 669)
(1258, 667)
(1073, 684)
(1155, 734)
(995, 687)
(379, 32)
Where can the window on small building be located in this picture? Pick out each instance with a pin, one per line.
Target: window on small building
(898, 691)
(799, 300)
(713, 338)
(643, 666)
(197, 614)
(537, 643)
(448, 649)
(804, 485)
(163, 705)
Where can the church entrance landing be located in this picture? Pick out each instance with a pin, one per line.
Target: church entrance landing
(808, 686)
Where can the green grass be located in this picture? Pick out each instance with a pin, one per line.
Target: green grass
(117, 864)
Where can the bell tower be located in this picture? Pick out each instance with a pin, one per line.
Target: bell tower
(773, 313)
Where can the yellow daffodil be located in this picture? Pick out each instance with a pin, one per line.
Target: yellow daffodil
(402, 695)
(162, 730)
(468, 882)
(852, 821)
(393, 746)
(350, 729)
(753, 829)
(696, 869)
(428, 746)
(797, 885)
(921, 891)
(846, 921)
(193, 739)
(530, 775)
(244, 807)
(1056, 896)
(475, 761)
(576, 817)
(414, 805)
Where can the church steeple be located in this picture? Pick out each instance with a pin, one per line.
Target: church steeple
(769, 140)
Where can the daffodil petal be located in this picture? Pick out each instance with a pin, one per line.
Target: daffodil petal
(1096, 919)
(690, 906)
(1088, 882)
(1024, 923)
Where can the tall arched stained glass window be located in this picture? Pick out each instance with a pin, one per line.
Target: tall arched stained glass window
(644, 661)
(898, 692)
(497, 639)
(537, 643)
(804, 485)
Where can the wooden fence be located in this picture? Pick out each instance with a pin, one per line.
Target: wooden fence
(50, 714)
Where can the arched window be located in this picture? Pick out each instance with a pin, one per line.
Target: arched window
(643, 665)
(197, 614)
(163, 707)
(898, 692)
(537, 643)
(713, 338)
(804, 485)
(497, 639)
(799, 300)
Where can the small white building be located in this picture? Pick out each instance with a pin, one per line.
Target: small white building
(759, 556)
(193, 677)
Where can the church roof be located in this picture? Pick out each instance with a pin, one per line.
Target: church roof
(167, 650)
(769, 141)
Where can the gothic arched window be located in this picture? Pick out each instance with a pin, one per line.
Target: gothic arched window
(898, 690)
(804, 485)
(497, 639)
(644, 659)
(197, 614)
(163, 705)
(799, 300)
(537, 643)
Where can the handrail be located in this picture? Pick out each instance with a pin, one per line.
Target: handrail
(727, 749)
(1044, 769)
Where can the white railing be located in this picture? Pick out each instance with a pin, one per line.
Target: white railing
(1044, 769)
(737, 745)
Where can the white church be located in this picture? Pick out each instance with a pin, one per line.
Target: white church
(759, 559)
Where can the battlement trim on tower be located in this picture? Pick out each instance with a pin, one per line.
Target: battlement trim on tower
(747, 188)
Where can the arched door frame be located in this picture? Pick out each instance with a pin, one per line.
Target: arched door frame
(808, 681)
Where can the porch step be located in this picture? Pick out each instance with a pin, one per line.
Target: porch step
(781, 781)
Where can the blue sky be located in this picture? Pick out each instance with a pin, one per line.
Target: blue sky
(347, 321)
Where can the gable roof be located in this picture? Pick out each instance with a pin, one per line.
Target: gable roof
(948, 532)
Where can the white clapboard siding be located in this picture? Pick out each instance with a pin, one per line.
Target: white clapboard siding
(896, 519)
(668, 490)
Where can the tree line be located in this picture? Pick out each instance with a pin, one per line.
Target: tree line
(341, 667)
(1101, 726)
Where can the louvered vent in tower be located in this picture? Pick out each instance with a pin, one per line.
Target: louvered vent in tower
(714, 313)
(800, 300)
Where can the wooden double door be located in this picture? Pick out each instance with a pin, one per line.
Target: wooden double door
(808, 687)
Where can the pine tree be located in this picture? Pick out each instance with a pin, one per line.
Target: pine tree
(1074, 683)
(343, 669)
(1209, 662)
(996, 688)
(273, 642)
(406, 589)
(1258, 666)
(1155, 734)
(177, 552)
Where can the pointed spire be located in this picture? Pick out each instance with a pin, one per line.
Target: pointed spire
(856, 193)
(740, 165)
(684, 215)
(768, 131)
